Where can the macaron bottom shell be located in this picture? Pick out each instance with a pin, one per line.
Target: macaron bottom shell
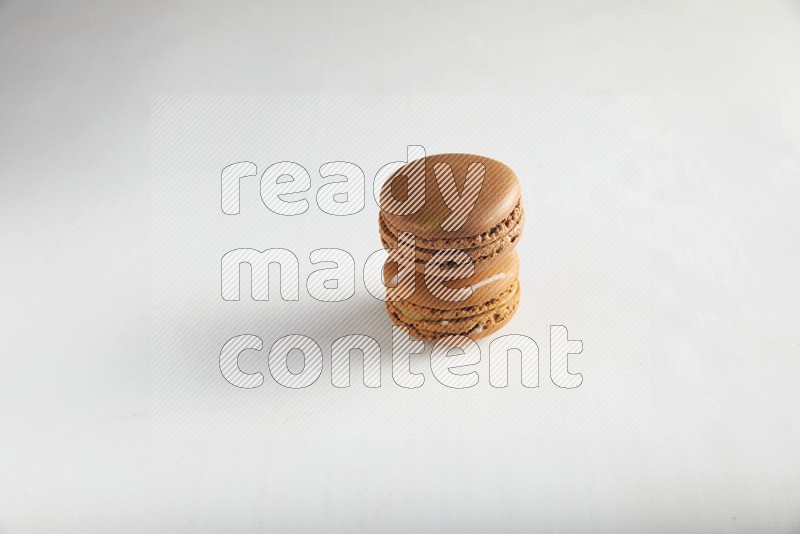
(432, 324)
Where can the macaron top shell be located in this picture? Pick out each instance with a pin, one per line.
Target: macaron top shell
(497, 197)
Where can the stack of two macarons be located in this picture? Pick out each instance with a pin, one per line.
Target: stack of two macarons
(465, 271)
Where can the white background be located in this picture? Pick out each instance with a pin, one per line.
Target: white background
(720, 450)
(584, 167)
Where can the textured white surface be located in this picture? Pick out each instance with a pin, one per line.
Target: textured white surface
(721, 449)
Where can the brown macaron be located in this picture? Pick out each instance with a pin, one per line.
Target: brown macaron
(463, 213)
(483, 218)
(432, 312)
